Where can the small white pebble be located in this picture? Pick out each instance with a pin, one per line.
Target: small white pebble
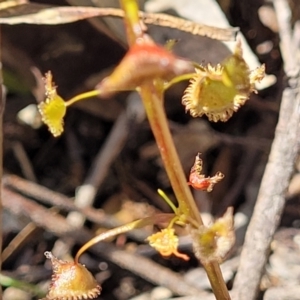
(29, 115)
(12, 293)
(160, 293)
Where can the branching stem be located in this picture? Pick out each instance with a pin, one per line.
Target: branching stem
(178, 79)
(152, 96)
(168, 201)
(153, 102)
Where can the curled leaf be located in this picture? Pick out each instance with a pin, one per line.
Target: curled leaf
(145, 61)
(166, 243)
(198, 181)
(53, 109)
(218, 92)
(71, 281)
(214, 242)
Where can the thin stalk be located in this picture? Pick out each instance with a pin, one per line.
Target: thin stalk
(132, 20)
(153, 103)
(152, 97)
(168, 201)
(155, 219)
(80, 97)
(178, 79)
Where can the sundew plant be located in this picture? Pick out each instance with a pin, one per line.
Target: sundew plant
(214, 91)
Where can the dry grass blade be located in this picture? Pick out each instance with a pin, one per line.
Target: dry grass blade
(32, 13)
(28, 232)
(40, 14)
(228, 34)
(11, 3)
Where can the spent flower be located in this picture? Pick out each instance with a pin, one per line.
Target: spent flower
(219, 91)
(53, 109)
(166, 243)
(198, 181)
(145, 61)
(214, 242)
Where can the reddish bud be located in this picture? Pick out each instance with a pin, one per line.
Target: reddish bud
(143, 62)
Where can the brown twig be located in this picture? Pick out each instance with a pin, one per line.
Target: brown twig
(112, 147)
(24, 161)
(60, 201)
(114, 143)
(29, 232)
(231, 196)
(2, 105)
(271, 197)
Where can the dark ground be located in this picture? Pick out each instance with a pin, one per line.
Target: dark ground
(78, 56)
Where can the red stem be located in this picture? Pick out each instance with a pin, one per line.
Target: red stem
(153, 102)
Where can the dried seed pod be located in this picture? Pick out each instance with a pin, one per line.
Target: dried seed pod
(218, 92)
(145, 61)
(71, 281)
(198, 181)
(214, 242)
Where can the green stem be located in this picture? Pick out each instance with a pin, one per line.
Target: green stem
(11, 282)
(173, 221)
(83, 96)
(132, 20)
(178, 79)
(169, 202)
(155, 219)
(153, 103)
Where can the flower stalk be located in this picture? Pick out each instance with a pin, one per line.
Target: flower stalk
(216, 92)
(153, 103)
(155, 219)
(152, 97)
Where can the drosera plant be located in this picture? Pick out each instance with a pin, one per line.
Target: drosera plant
(214, 91)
